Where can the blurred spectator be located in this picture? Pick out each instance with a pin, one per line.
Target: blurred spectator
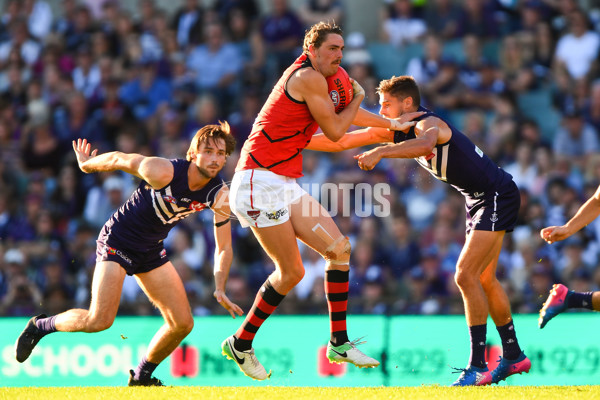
(591, 109)
(444, 247)
(112, 112)
(427, 67)
(515, 67)
(357, 55)
(242, 119)
(65, 21)
(403, 252)
(245, 36)
(79, 32)
(282, 33)
(441, 17)
(145, 15)
(103, 200)
(571, 260)
(576, 51)
(216, 65)
(523, 168)
(72, 121)
(145, 92)
(313, 11)
(224, 8)
(39, 17)
(204, 111)
(422, 199)
(399, 24)
(576, 139)
(544, 48)
(373, 300)
(23, 298)
(20, 42)
(11, 265)
(478, 18)
(65, 201)
(86, 76)
(41, 149)
(11, 12)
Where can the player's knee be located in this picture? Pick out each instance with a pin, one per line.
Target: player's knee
(184, 326)
(294, 275)
(463, 279)
(488, 282)
(99, 323)
(339, 251)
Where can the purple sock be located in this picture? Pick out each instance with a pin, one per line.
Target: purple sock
(478, 335)
(510, 345)
(580, 300)
(46, 325)
(144, 370)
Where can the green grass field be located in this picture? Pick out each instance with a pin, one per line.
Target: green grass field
(295, 393)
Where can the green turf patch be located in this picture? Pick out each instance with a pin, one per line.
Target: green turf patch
(303, 393)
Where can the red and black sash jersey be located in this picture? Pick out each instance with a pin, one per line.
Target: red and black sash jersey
(282, 129)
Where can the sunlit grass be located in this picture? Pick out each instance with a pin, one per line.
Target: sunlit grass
(293, 393)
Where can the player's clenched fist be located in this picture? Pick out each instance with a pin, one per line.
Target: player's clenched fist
(358, 90)
(369, 159)
(553, 234)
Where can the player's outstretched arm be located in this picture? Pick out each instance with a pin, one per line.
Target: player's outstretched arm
(586, 214)
(350, 140)
(427, 132)
(402, 123)
(223, 250)
(157, 171)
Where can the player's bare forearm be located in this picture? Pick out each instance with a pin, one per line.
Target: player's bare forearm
(222, 231)
(108, 162)
(321, 142)
(223, 260)
(410, 149)
(367, 118)
(586, 213)
(350, 140)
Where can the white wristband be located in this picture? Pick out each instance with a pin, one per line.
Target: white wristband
(395, 125)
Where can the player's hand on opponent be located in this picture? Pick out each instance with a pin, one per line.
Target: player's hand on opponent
(357, 89)
(405, 121)
(369, 159)
(227, 304)
(82, 151)
(553, 234)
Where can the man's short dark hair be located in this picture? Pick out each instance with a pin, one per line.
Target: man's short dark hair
(317, 34)
(401, 87)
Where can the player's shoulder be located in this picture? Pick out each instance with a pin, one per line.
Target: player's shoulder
(309, 75)
(430, 119)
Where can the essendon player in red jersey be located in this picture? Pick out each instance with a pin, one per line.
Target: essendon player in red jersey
(266, 197)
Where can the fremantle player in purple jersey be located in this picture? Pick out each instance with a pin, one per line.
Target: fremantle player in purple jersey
(131, 243)
(492, 203)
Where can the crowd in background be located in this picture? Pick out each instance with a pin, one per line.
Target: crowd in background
(145, 80)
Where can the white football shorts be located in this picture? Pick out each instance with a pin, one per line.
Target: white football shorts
(261, 198)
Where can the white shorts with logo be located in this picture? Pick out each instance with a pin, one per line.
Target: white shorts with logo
(261, 198)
